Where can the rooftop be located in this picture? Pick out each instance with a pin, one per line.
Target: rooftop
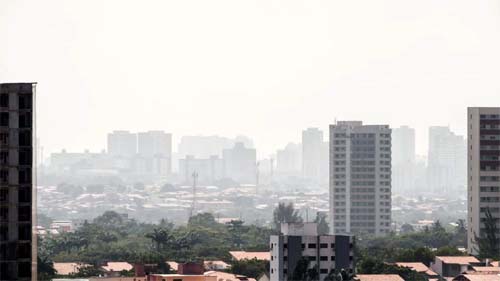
(242, 255)
(378, 277)
(458, 259)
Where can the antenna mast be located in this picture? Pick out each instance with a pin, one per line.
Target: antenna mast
(193, 205)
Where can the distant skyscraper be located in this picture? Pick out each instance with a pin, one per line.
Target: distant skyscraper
(209, 170)
(17, 175)
(288, 160)
(360, 178)
(446, 164)
(122, 143)
(240, 163)
(203, 146)
(403, 159)
(483, 169)
(157, 146)
(312, 142)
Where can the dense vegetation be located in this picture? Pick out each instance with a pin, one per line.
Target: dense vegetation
(112, 237)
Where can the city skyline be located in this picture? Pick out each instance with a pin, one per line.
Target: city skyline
(315, 70)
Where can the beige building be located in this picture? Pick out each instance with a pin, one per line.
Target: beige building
(483, 188)
(360, 178)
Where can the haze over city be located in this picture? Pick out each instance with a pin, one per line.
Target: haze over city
(265, 69)
(266, 140)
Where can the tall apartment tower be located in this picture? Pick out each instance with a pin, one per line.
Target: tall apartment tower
(403, 160)
(360, 178)
(155, 147)
(483, 169)
(312, 141)
(301, 242)
(446, 162)
(122, 143)
(17, 176)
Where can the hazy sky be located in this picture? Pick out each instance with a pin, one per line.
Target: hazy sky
(262, 68)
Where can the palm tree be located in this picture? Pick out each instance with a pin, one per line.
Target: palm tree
(285, 213)
(159, 237)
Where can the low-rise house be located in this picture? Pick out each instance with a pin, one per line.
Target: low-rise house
(484, 270)
(378, 277)
(243, 255)
(477, 277)
(215, 265)
(420, 268)
(451, 266)
(173, 265)
(67, 268)
(224, 276)
(114, 269)
(180, 277)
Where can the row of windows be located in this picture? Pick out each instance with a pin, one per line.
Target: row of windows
(24, 101)
(23, 213)
(489, 116)
(490, 137)
(489, 126)
(489, 147)
(24, 121)
(489, 199)
(23, 194)
(489, 178)
(24, 232)
(490, 188)
(24, 176)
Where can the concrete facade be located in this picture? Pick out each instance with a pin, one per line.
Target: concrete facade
(297, 241)
(17, 177)
(483, 169)
(360, 178)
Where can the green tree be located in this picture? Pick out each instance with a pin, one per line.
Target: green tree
(160, 238)
(437, 227)
(449, 251)
(252, 268)
(487, 243)
(323, 227)
(339, 275)
(407, 228)
(235, 228)
(285, 213)
(45, 268)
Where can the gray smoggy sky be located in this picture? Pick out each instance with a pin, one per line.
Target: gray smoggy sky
(262, 68)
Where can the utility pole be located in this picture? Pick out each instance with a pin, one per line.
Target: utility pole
(193, 205)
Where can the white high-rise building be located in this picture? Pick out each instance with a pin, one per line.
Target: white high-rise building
(446, 162)
(155, 152)
(312, 142)
(483, 170)
(288, 160)
(403, 160)
(122, 143)
(240, 163)
(360, 178)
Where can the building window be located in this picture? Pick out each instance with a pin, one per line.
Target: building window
(4, 100)
(323, 245)
(312, 258)
(323, 258)
(4, 119)
(311, 246)
(24, 213)
(25, 101)
(323, 271)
